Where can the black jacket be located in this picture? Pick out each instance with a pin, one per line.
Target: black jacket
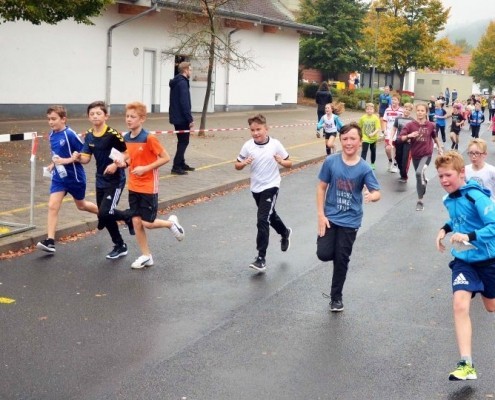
(180, 101)
(322, 98)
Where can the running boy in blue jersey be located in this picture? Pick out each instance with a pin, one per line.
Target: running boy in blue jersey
(68, 176)
(110, 179)
(472, 223)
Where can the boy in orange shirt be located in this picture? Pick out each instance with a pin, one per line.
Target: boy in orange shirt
(145, 156)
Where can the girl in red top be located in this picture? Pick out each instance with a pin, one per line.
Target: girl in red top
(421, 133)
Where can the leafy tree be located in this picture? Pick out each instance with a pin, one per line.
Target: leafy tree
(463, 44)
(336, 50)
(482, 65)
(51, 11)
(406, 36)
(202, 37)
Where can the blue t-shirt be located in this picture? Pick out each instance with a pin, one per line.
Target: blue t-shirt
(63, 144)
(344, 197)
(384, 100)
(440, 112)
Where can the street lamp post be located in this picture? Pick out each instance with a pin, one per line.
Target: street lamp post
(378, 11)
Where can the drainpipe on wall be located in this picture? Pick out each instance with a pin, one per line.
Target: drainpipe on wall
(108, 84)
(227, 77)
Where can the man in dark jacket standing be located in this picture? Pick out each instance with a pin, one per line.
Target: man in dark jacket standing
(180, 115)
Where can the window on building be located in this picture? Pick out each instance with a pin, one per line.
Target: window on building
(435, 82)
(420, 81)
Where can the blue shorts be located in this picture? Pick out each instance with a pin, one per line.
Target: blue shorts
(474, 279)
(74, 188)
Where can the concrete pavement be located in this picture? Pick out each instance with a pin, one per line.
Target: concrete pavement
(212, 155)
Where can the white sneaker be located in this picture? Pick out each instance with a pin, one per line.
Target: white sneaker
(176, 228)
(394, 169)
(142, 261)
(390, 165)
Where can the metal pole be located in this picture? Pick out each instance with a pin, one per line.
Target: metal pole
(378, 11)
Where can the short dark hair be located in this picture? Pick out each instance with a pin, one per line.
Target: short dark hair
(59, 110)
(98, 104)
(258, 118)
(352, 125)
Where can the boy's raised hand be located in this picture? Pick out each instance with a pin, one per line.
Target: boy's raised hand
(438, 241)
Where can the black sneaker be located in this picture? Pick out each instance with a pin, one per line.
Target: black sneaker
(336, 306)
(130, 226)
(188, 168)
(118, 251)
(178, 171)
(285, 241)
(101, 224)
(47, 245)
(258, 264)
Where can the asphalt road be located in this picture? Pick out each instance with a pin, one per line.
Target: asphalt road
(201, 325)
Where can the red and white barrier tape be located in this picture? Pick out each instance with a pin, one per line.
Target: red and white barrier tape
(31, 135)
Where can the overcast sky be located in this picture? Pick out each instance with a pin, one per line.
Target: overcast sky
(463, 11)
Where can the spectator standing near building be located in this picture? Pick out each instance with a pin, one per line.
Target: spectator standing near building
(322, 98)
(447, 97)
(180, 116)
(472, 224)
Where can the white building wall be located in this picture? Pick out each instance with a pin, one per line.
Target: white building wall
(66, 64)
(277, 56)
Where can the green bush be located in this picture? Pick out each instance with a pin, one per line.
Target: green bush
(310, 89)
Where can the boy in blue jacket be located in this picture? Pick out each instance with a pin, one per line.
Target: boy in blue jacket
(472, 223)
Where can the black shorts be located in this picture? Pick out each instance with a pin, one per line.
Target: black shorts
(144, 205)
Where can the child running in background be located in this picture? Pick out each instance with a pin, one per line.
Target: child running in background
(145, 154)
(391, 113)
(476, 119)
(472, 223)
(264, 154)
(440, 119)
(339, 206)
(370, 126)
(403, 148)
(492, 126)
(68, 176)
(331, 125)
(455, 127)
(479, 170)
(421, 133)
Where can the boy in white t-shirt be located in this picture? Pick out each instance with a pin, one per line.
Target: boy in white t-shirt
(479, 170)
(264, 154)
